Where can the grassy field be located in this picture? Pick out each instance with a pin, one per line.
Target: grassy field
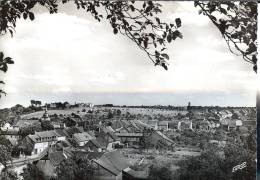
(142, 111)
(39, 114)
(161, 158)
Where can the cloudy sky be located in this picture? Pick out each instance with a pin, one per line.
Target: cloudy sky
(69, 56)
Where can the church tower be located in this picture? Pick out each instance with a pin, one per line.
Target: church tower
(45, 116)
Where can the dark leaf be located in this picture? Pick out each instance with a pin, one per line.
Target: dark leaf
(178, 22)
(255, 68)
(145, 43)
(132, 8)
(1, 56)
(31, 16)
(9, 60)
(158, 20)
(222, 10)
(138, 22)
(11, 32)
(157, 62)
(163, 49)
(152, 35)
(4, 68)
(169, 38)
(2, 82)
(252, 48)
(164, 66)
(109, 16)
(254, 59)
(213, 18)
(144, 4)
(25, 15)
(165, 56)
(115, 31)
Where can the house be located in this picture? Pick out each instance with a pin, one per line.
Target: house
(110, 166)
(219, 143)
(93, 146)
(58, 125)
(106, 138)
(124, 126)
(82, 138)
(163, 125)
(141, 125)
(239, 123)
(130, 138)
(40, 141)
(157, 138)
(203, 126)
(152, 124)
(186, 124)
(173, 125)
(49, 165)
(231, 125)
(61, 135)
(72, 130)
(9, 127)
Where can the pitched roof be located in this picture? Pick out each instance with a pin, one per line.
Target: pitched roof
(72, 130)
(82, 137)
(164, 136)
(60, 132)
(102, 141)
(43, 136)
(113, 161)
(129, 134)
(56, 158)
(163, 123)
(85, 155)
(232, 123)
(94, 142)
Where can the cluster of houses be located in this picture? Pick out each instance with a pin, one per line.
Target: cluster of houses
(100, 145)
(100, 142)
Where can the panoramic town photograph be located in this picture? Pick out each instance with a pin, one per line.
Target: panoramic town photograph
(128, 90)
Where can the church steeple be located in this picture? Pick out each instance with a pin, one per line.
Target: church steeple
(45, 116)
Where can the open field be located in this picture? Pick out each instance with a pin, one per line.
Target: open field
(124, 110)
(39, 114)
(163, 157)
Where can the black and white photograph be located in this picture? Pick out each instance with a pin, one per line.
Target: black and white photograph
(128, 90)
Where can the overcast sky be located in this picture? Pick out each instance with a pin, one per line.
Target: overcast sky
(69, 56)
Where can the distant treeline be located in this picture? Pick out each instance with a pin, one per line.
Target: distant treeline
(169, 107)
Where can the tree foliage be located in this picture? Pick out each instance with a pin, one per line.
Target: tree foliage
(74, 169)
(8, 175)
(237, 22)
(46, 126)
(5, 155)
(217, 164)
(160, 173)
(5, 151)
(4, 62)
(31, 172)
